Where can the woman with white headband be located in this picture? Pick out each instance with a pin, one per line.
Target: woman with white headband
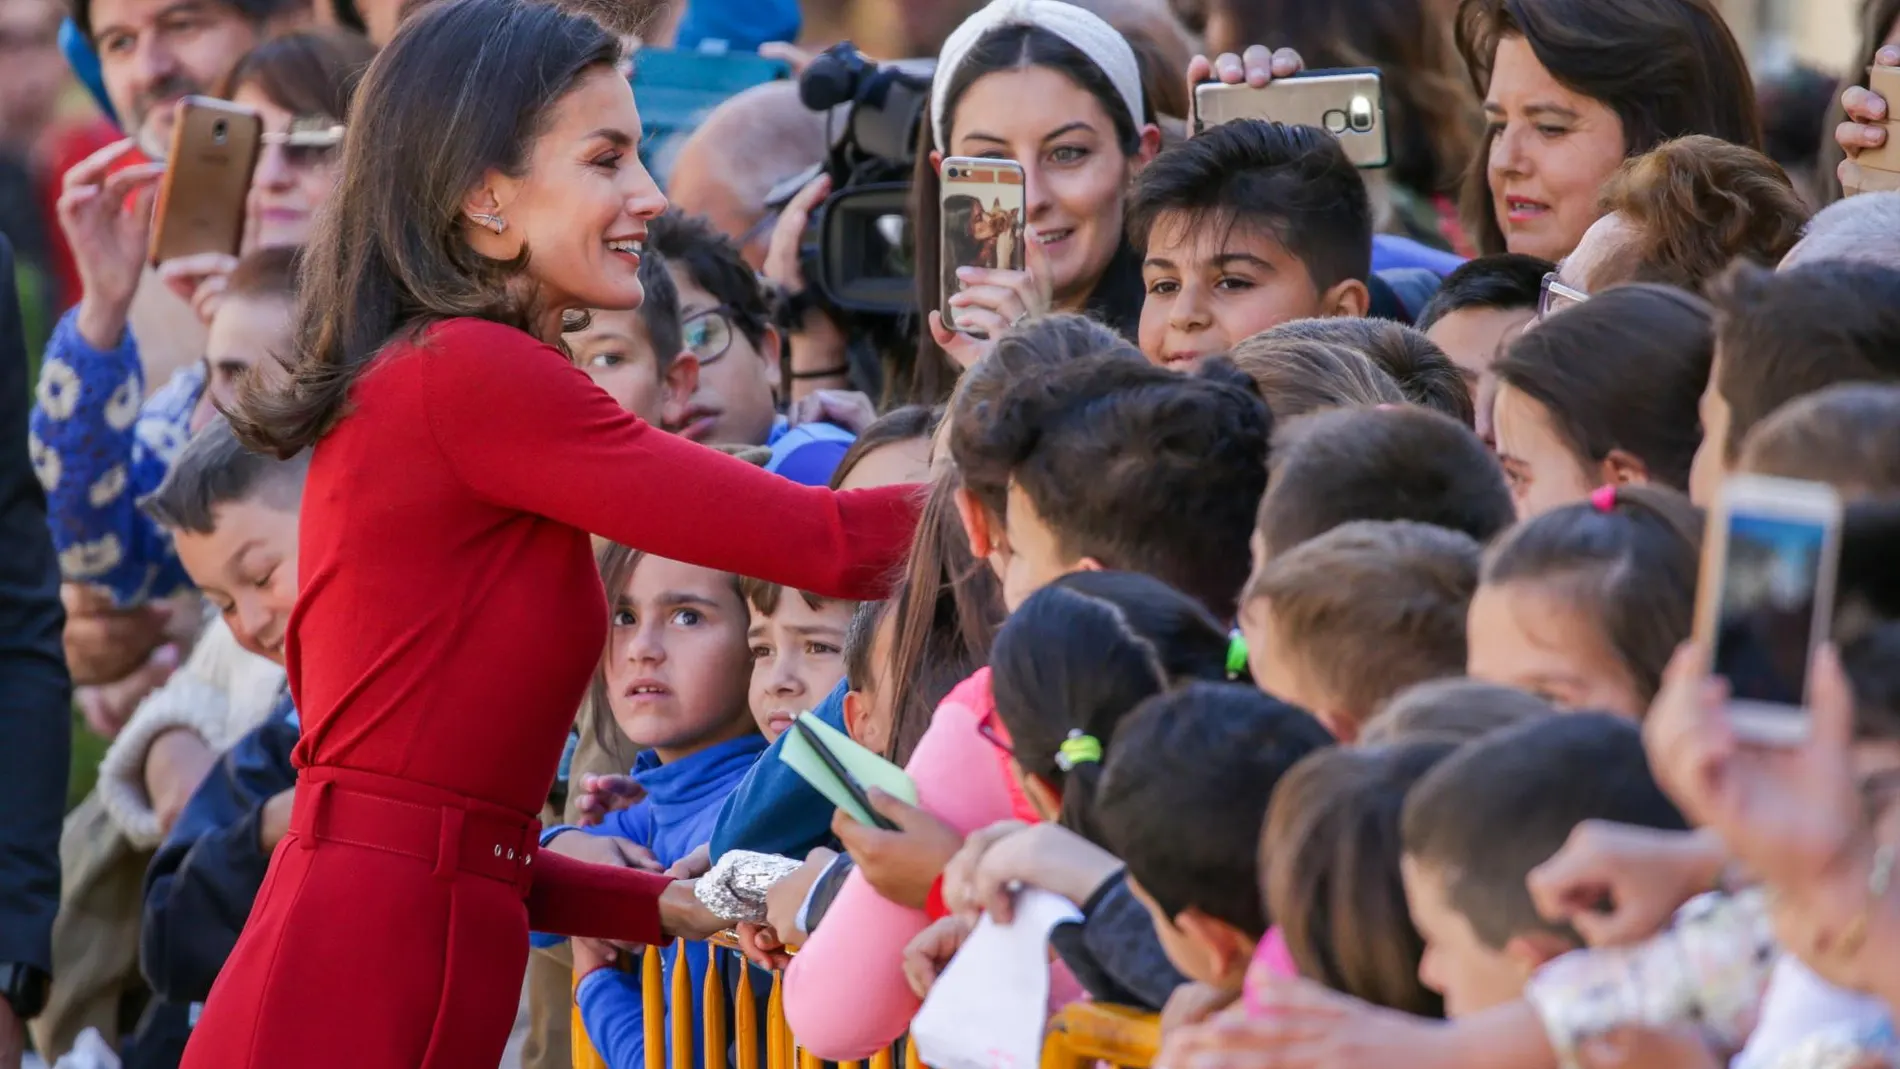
(1058, 90)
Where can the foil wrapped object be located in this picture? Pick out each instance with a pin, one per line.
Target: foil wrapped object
(735, 888)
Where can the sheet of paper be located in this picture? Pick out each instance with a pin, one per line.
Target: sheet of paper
(988, 1009)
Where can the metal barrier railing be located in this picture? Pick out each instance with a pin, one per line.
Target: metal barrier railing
(1082, 1035)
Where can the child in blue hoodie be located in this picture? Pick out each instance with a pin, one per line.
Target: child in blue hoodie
(675, 676)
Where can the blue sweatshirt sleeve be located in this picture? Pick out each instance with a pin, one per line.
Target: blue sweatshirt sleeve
(774, 811)
(743, 25)
(98, 447)
(614, 1016)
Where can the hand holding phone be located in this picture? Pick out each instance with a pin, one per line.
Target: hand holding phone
(214, 149)
(842, 770)
(1348, 103)
(984, 212)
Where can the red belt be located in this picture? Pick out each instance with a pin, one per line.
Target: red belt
(453, 838)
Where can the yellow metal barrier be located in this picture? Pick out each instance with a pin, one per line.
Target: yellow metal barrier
(1083, 1034)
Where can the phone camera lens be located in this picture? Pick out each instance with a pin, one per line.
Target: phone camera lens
(1335, 121)
(220, 130)
(953, 172)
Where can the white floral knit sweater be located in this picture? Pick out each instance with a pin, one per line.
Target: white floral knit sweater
(221, 692)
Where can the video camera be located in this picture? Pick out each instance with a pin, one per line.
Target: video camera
(857, 255)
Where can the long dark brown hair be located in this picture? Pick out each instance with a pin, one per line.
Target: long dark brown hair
(463, 89)
(310, 72)
(1667, 68)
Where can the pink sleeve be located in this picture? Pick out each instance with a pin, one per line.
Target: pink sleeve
(860, 946)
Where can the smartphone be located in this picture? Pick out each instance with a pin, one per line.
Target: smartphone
(1347, 102)
(1886, 82)
(207, 177)
(842, 770)
(1766, 598)
(982, 204)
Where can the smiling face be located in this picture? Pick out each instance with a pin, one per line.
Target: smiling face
(797, 658)
(1551, 151)
(1209, 288)
(152, 53)
(1537, 637)
(583, 204)
(1075, 172)
(291, 181)
(247, 567)
(676, 661)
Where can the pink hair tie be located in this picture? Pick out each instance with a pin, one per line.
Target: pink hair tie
(1603, 498)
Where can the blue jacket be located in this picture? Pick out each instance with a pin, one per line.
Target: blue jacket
(808, 453)
(674, 819)
(775, 811)
(1390, 252)
(743, 25)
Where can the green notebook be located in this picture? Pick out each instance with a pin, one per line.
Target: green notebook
(867, 769)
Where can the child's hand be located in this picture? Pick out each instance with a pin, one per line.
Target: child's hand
(993, 862)
(604, 850)
(601, 795)
(787, 897)
(1306, 1026)
(763, 947)
(1193, 1003)
(592, 954)
(900, 864)
(850, 409)
(1618, 884)
(1681, 1047)
(929, 952)
(693, 865)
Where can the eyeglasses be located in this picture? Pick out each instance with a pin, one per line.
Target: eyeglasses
(1553, 296)
(708, 334)
(309, 141)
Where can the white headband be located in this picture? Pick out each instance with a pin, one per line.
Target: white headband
(1091, 36)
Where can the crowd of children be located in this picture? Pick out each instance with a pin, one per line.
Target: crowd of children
(1321, 642)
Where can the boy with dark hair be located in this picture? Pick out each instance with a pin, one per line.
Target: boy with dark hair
(639, 357)
(727, 323)
(1108, 462)
(1339, 624)
(1480, 307)
(1245, 226)
(1779, 336)
(1182, 801)
(1331, 468)
(1477, 825)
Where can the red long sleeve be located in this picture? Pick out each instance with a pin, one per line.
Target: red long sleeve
(572, 897)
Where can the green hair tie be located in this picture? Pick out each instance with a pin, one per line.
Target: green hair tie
(1078, 749)
(1236, 655)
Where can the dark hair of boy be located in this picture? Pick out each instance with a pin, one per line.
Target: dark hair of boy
(1508, 281)
(1372, 607)
(713, 262)
(1847, 436)
(1330, 876)
(1426, 376)
(215, 469)
(1503, 805)
(763, 597)
(1452, 710)
(1298, 377)
(1335, 467)
(266, 274)
(660, 311)
(1781, 335)
(1294, 183)
(948, 606)
(1139, 468)
(1186, 789)
(902, 424)
(1633, 567)
(1621, 377)
(1079, 656)
(859, 636)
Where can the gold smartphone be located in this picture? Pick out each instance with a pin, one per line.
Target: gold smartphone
(1347, 102)
(1766, 598)
(207, 177)
(983, 205)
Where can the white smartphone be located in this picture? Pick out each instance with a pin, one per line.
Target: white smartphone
(1766, 598)
(1347, 102)
(984, 209)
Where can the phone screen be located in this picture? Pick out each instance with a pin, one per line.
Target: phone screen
(1765, 628)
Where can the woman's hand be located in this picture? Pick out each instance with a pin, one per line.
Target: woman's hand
(1257, 67)
(929, 952)
(601, 795)
(785, 898)
(1617, 884)
(199, 280)
(900, 864)
(107, 217)
(995, 861)
(1866, 111)
(992, 301)
(684, 916)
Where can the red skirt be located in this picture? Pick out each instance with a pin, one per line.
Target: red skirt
(391, 931)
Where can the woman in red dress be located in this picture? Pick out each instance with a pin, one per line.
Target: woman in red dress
(450, 613)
